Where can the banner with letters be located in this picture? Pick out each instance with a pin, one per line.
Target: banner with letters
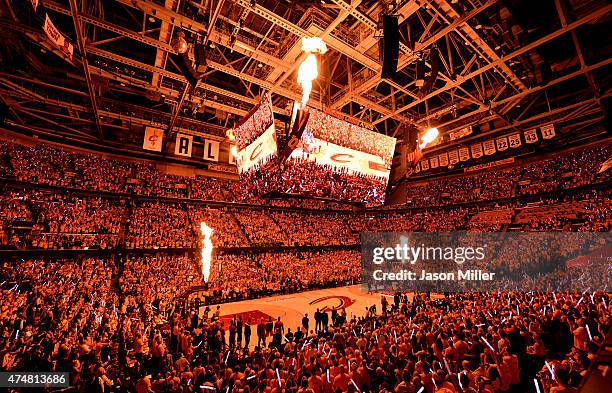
(464, 153)
(211, 150)
(184, 144)
(425, 165)
(514, 140)
(443, 158)
(465, 131)
(58, 38)
(433, 162)
(531, 136)
(453, 157)
(489, 147)
(153, 139)
(476, 150)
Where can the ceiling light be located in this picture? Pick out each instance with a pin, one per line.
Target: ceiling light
(179, 43)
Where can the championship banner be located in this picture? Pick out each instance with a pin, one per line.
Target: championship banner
(417, 167)
(183, 145)
(548, 131)
(434, 162)
(57, 37)
(476, 150)
(443, 159)
(489, 147)
(531, 136)
(425, 165)
(502, 143)
(514, 140)
(460, 133)
(464, 153)
(153, 138)
(453, 157)
(211, 150)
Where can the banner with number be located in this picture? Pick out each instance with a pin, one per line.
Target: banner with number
(476, 150)
(548, 131)
(489, 147)
(153, 139)
(183, 145)
(57, 37)
(464, 153)
(443, 158)
(502, 143)
(417, 167)
(211, 150)
(425, 165)
(514, 140)
(531, 136)
(453, 157)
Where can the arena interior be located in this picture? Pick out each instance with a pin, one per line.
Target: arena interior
(188, 187)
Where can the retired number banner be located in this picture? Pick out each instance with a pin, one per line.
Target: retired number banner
(548, 131)
(514, 140)
(531, 136)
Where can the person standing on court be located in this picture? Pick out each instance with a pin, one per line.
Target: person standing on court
(247, 333)
(305, 321)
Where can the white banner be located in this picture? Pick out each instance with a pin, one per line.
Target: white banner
(425, 165)
(211, 150)
(434, 162)
(443, 158)
(476, 150)
(453, 157)
(502, 143)
(531, 136)
(464, 153)
(183, 145)
(489, 147)
(258, 151)
(57, 37)
(153, 139)
(465, 131)
(514, 140)
(548, 131)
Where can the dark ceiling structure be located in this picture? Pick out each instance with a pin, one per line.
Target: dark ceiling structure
(502, 64)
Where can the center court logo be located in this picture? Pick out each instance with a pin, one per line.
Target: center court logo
(333, 303)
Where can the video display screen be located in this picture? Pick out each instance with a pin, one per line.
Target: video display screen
(257, 151)
(338, 160)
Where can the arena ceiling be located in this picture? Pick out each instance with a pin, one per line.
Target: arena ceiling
(503, 64)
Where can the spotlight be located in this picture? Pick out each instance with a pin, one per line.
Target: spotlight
(179, 43)
(252, 3)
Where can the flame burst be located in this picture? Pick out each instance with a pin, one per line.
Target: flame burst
(308, 69)
(207, 248)
(429, 136)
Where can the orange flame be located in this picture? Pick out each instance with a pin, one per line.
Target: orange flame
(207, 248)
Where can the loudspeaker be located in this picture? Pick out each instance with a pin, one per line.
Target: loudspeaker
(199, 53)
(389, 46)
(186, 67)
(434, 59)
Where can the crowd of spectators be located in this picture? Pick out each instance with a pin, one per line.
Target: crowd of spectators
(141, 337)
(560, 172)
(159, 225)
